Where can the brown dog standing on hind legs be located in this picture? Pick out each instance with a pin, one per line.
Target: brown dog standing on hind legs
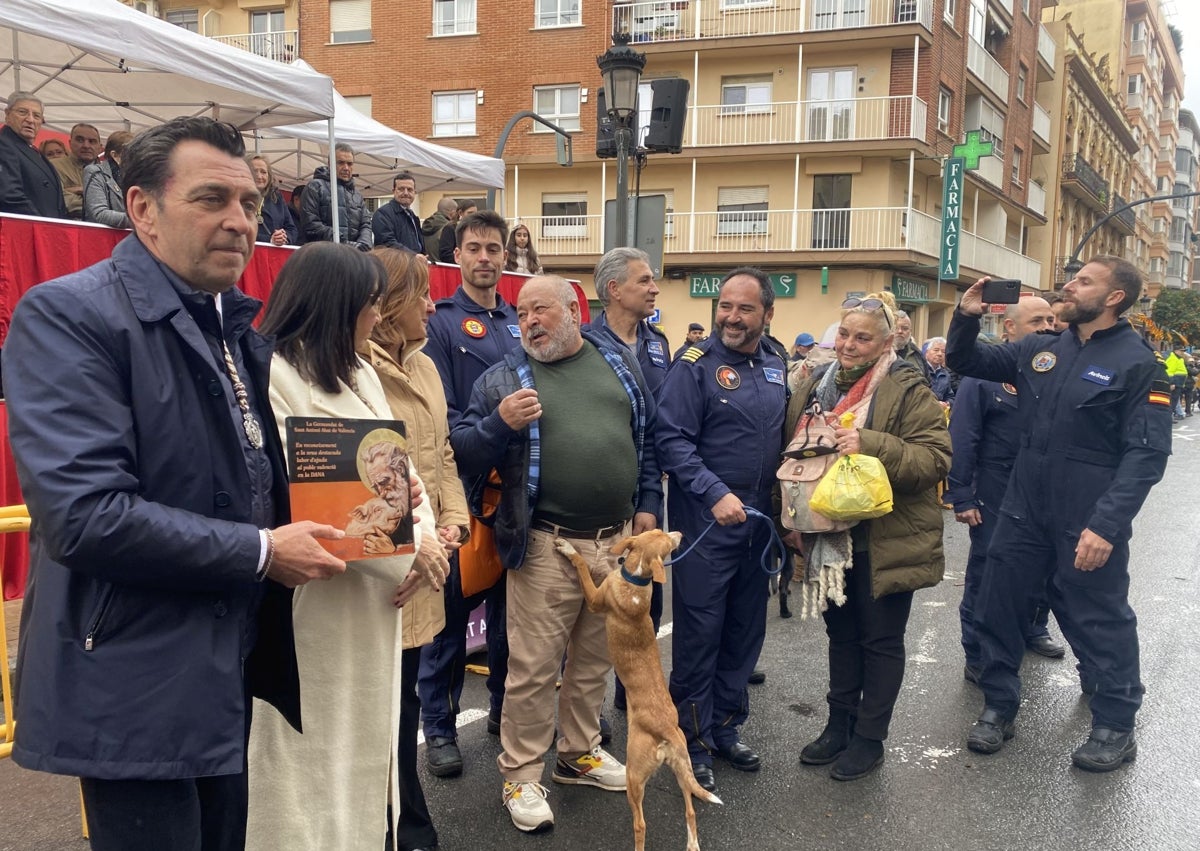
(654, 734)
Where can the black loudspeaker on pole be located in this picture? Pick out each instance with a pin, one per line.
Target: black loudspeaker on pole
(663, 133)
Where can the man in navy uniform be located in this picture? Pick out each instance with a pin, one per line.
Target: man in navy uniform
(728, 391)
(626, 290)
(625, 287)
(985, 431)
(472, 330)
(1095, 432)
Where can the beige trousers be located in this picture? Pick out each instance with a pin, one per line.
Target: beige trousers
(547, 615)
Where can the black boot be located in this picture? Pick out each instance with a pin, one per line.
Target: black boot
(833, 739)
(861, 758)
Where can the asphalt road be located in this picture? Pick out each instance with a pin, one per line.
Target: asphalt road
(930, 794)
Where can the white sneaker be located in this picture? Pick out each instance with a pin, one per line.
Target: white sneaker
(527, 807)
(598, 768)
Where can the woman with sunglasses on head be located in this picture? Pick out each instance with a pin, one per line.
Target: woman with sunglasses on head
(336, 785)
(415, 394)
(522, 257)
(871, 570)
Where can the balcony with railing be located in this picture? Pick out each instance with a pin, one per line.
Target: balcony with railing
(975, 252)
(758, 231)
(987, 70)
(991, 168)
(1036, 198)
(789, 122)
(679, 20)
(1126, 220)
(1046, 47)
(1041, 125)
(282, 46)
(1085, 182)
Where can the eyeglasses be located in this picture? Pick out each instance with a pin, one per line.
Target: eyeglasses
(868, 304)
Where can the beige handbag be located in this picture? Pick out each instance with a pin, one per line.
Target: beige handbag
(811, 453)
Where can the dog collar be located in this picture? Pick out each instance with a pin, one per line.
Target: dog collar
(640, 581)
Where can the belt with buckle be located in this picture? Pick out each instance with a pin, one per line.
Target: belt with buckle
(579, 534)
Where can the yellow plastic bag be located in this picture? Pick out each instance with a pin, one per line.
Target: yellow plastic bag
(855, 488)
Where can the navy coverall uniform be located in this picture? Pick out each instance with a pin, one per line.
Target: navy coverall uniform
(720, 430)
(464, 340)
(985, 430)
(1095, 436)
(651, 351)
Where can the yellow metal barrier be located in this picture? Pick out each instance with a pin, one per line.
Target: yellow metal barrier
(15, 518)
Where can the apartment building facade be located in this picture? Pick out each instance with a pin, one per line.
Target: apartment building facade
(814, 144)
(1090, 170)
(1133, 39)
(269, 28)
(814, 141)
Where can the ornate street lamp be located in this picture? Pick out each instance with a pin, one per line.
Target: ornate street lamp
(621, 68)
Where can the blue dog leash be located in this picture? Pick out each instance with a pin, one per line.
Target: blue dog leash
(775, 548)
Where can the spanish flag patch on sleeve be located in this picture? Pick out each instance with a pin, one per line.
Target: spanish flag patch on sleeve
(1160, 394)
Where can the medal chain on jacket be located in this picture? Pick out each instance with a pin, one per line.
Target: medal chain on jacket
(249, 423)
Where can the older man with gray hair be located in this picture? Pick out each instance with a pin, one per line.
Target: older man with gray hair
(625, 288)
(29, 184)
(354, 220)
(541, 417)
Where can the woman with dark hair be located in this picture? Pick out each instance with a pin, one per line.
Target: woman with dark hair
(275, 222)
(522, 256)
(870, 571)
(322, 309)
(415, 394)
(103, 200)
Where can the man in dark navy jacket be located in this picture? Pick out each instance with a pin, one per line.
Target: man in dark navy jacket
(472, 330)
(986, 435)
(148, 454)
(29, 184)
(1095, 434)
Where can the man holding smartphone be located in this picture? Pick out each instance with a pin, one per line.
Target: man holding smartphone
(986, 435)
(1095, 434)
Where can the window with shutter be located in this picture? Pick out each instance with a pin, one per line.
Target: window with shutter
(349, 21)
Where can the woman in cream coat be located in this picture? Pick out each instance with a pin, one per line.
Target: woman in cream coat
(415, 394)
(336, 785)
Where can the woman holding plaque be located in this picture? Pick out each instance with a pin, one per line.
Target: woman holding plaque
(336, 786)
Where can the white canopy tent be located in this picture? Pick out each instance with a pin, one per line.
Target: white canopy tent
(379, 152)
(104, 63)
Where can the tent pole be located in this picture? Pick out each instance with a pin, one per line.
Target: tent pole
(16, 52)
(333, 186)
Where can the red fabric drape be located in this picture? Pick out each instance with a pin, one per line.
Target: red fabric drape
(35, 250)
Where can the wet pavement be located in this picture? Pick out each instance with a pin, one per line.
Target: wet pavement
(931, 792)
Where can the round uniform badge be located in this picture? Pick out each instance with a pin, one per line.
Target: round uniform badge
(474, 328)
(1009, 389)
(1044, 361)
(728, 377)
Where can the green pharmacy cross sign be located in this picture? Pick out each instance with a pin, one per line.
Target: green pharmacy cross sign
(965, 157)
(972, 150)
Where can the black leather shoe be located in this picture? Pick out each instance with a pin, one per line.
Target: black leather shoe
(827, 747)
(1105, 750)
(990, 732)
(757, 677)
(442, 757)
(494, 722)
(858, 760)
(740, 757)
(970, 674)
(605, 731)
(704, 776)
(1046, 646)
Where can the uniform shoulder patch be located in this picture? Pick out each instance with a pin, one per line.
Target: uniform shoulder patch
(693, 354)
(1160, 393)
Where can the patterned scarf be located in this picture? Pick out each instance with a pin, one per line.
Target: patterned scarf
(828, 556)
